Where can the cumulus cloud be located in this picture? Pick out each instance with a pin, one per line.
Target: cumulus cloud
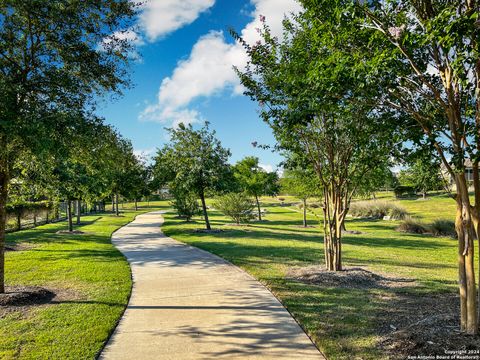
(161, 17)
(209, 68)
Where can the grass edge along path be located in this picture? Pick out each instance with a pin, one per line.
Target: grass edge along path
(91, 278)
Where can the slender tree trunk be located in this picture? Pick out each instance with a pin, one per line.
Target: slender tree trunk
(205, 213)
(117, 213)
(136, 205)
(34, 219)
(3, 223)
(69, 215)
(19, 221)
(333, 218)
(78, 210)
(464, 224)
(305, 213)
(258, 207)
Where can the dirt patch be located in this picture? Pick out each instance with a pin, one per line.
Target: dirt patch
(18, 247)
(421, 325)
(353, 278)
(24, 298)
(66, 232)
(408, 323)
(205, 231)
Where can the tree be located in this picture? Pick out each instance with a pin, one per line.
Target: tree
(303, 184)
(254, 180)
(314, 93)
(50, 61)
(426, 176)
(427, 58)
(185, 203)
(194, 161)
(238, 206)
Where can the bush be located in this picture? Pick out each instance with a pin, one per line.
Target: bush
(405, 191)
(412, 226)
(443, 227)
(237, 206)
(377, 210)
(186, 204)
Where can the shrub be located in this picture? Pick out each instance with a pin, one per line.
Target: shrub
(377, 210)
(405, 191)
(186, 204)
(443, 227)
(237, 206)
(412, 226)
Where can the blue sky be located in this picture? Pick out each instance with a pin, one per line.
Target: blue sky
(184, 74)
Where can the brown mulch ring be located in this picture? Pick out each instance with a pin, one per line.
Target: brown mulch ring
(409, 324)
(66, 232)
(18, 246)
(205, 231)
(353, 278)
(24, 298)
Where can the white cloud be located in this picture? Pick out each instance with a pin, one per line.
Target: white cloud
(161, 17)
(267, 167)
(209, 68)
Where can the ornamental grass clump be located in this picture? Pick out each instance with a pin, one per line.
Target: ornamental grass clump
(237, 206)
(377, 210)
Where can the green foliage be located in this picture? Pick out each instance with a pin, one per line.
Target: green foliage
(443, 227)
(254, 180)
(186, 204)
(237, 206)
(405, 191)
(194, 161)
(377, 210)
(412, 226)
(301, 183)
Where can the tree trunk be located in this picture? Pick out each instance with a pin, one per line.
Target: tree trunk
(79, 211)
(117, 213)
(136, 205)
(305, 213)
(69, 215)
(113, 203)
(424, 195)
(333, 218)
(3, 223)
(19, 221)
(205, 213)
(464, 223)
(258, 207)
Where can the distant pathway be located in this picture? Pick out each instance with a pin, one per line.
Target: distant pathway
(189, 304)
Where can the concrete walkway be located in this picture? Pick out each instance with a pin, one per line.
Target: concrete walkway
(189, 304)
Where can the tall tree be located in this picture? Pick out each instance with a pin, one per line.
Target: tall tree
(195, 161)
(428, 55)
(50, 59)
(314, 93)
(255, 181)
(303, 184)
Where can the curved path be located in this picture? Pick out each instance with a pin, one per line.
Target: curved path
(189, 304)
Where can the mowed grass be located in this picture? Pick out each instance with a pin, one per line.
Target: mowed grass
(91, 277)
(343, 323)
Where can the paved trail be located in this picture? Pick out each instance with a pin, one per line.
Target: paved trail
(189, 304)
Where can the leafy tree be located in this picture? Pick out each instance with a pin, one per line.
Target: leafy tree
(185, 203)
(194, 161)
(426, 55)
(426, 176)
(314, 93)
(238, 206)
(303, 184)
(50, 61)
(254, 180)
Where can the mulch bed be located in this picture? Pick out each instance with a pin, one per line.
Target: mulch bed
(66, 232)
(24, 298)
(409, 324)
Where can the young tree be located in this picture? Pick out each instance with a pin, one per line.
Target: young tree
(427, 60)
(50, 61)
(426, 176)
(194, 161)
(185, 203)
(254, 180)
(321, 107)
(303, 184)
(237, 206)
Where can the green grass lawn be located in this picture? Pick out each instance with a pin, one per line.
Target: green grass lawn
(92, 278)
(342, 322)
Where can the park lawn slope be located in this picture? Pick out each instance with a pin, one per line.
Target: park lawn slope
(345, 323)
(92, 281)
